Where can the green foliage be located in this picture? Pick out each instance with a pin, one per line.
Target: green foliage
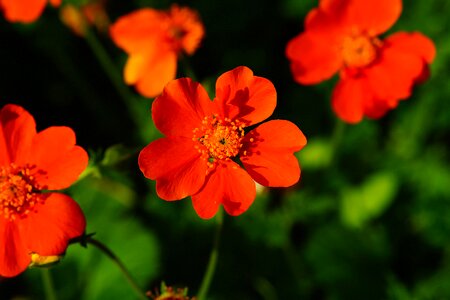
(336, 264)
(115, 155)
(369, 219)
(103, 201)
(316, 155)
(361, 204)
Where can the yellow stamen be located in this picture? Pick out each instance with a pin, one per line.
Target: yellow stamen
(218, 140)
(19, 191)
(359, 50)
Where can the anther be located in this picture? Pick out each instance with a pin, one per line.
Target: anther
(18, 191)
(220, 138)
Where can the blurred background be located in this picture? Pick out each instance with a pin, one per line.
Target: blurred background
(370, 218)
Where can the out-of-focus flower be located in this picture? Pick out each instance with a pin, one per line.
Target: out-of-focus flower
(25, 11)
(169, 293)
(36, 225)
(77, 19)
(153, 40)
(342, 36)
(206, 143)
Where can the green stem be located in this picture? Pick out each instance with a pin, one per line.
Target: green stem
(49, 288)
(209, 274)
(188, 71)
(109, 68)
(88, 171)
(138, 113)
(121, 266)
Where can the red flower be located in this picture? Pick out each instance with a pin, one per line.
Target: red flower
(32, 221)
(342, 36)
(153, 39)
(206, 144)
(25, 11)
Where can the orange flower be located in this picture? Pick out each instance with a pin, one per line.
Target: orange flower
(153, 39)
(342, 35)
(25, 11)
(206, 144)
(33, 221)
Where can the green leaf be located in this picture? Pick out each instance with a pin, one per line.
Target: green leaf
(361, 204)
(316, 155)
(116, 154)
(136, 245)
(137, 248)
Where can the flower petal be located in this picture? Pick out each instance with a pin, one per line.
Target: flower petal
(181, 108)
(14, 258)
(395, 72)
(414, 43)
(19, 130)
(135, 67)
(375, 109)
(152, 63)
(313, 59)
(175, 165)
(55, 152)
(349, 97)
(22, 11)
(228, 185)
(156, 73)
(327, 20)
(4, 152)
(188, 21)
(373, 16)
(240, 95)
(47, 230)
(138, 30)
(417, 44)
(268, 153)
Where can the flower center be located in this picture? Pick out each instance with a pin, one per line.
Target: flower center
(19, 191)
(177, 33)
(360, 50)
(218, 139)
(175, 37)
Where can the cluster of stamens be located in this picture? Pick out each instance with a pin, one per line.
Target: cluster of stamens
(177, 33)
(359, 50)
(19, 191)
(175, 36)
(218, 139)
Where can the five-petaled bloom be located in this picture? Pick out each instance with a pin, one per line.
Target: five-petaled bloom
(206, 143)
(25, 11)
(33, 222)
(153, 40)
(342, 35)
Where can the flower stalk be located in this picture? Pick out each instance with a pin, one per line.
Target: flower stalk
(105, 250)
(135, 109)
(212, 264)
(49, 287)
